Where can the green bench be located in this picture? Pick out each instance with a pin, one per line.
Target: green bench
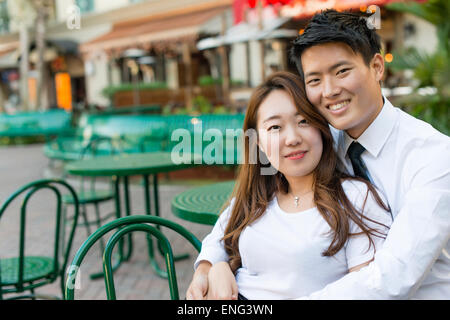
(204, 131)
(141, 134)
(39, 123)
(152, 133)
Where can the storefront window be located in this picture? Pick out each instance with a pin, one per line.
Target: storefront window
(4, 17)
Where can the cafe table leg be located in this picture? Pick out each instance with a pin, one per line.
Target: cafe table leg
(127, 212)
(156, 199)
(117, 204)
(151, 251)
(156, 193)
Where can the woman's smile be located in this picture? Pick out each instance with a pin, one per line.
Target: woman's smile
(296, 155)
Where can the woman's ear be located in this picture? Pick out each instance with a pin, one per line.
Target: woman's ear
(259, 144)
(377, 65)
(260, 148)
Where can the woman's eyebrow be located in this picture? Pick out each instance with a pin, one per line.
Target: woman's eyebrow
(275, 117)
(272, 118)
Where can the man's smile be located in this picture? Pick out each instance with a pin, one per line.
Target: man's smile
(338, 106)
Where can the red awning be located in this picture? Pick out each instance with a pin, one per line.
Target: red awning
(306, 8)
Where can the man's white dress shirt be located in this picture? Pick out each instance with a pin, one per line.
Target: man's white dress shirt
(409, 161)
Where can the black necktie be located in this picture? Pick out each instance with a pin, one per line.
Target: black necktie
(359, 168)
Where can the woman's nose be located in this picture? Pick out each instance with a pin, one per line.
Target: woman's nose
(293, 136)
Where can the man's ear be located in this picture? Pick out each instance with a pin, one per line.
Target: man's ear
(377, 66)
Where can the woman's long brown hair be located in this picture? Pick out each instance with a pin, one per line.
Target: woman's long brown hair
(253, 191)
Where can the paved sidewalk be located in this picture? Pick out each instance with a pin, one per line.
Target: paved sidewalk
(135, 279)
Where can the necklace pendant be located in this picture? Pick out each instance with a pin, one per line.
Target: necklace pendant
(296, 201)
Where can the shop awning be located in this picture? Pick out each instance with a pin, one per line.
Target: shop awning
(243, 32)
(9, 55)
(146, 31)
(9, 59)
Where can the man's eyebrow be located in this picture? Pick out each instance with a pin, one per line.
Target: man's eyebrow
(334, 66)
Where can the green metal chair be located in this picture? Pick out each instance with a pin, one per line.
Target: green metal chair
(124, 226)
(25, 273)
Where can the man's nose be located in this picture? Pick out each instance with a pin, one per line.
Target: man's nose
(330, 89)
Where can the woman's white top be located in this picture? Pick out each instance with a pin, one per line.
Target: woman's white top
(281, 253)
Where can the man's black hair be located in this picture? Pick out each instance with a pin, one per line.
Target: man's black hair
(333, 26)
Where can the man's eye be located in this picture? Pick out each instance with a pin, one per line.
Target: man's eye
(313, 81)
(343, 70)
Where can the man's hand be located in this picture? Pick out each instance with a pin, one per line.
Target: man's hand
(198, 288)
(222, 283)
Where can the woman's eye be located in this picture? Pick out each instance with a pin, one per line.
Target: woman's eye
(274, 127)
(303, 122)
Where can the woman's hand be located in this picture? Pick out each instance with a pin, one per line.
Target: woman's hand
(198, 288)
(222, 283)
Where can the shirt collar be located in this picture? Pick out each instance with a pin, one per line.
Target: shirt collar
(376, 135)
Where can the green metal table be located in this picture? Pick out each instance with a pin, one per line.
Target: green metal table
(121, 167)
(202, 204)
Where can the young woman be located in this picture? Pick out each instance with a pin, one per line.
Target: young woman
(289, 231)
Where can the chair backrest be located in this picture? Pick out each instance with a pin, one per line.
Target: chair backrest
(29, 190)
(98, 146)
(124, 226)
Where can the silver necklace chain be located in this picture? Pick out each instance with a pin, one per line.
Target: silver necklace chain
(297, 198)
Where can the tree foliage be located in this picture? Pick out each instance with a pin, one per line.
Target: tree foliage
(429, 70)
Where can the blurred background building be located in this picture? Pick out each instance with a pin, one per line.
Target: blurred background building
(176, 53)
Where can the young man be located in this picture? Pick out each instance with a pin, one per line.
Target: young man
(338, 56)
